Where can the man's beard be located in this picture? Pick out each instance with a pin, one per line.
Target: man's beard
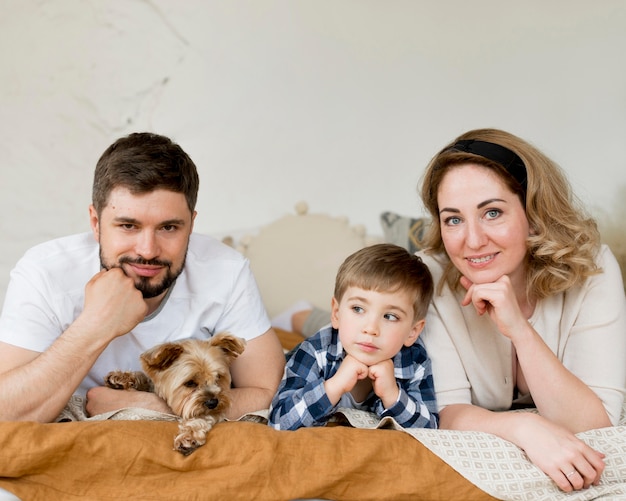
(143, 284)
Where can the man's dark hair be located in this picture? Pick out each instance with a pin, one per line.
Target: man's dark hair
(143, 162)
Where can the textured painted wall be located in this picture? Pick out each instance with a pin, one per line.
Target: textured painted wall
(340, 103)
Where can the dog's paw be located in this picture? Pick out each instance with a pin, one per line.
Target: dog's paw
(185, 448)
(192, 434)
(127, 380)
(186, 443)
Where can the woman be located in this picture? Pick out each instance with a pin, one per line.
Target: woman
(529, 307)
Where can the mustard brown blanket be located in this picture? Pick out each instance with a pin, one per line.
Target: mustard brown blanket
(128, 454)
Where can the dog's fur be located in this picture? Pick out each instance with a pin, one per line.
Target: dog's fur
(193, 377)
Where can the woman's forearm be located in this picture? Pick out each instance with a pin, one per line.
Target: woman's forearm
(558, 394)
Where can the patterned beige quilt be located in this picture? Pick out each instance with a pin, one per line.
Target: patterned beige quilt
(503, 470)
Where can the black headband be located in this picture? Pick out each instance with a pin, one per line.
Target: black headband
(496, 153)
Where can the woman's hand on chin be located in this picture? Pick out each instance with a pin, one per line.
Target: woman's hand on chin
(499, 301)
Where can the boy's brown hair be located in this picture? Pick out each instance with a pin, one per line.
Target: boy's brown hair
(387, 268)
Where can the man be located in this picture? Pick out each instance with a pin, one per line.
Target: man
(80, 306)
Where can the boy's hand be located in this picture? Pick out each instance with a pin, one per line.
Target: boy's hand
(384, 382)
(346, 377)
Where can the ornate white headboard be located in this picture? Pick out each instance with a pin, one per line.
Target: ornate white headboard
(297, 256)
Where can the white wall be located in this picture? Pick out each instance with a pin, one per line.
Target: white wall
(337, 102)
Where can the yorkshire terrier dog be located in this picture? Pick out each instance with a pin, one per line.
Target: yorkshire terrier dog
(193, 377)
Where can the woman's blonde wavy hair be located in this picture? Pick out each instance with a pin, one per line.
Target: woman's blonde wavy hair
(564, 239)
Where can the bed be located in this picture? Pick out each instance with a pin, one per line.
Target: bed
(128, 455)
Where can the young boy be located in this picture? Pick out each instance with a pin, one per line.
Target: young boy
(369, 357)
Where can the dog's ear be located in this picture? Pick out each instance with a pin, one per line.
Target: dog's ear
(162, 356)
(232, 346)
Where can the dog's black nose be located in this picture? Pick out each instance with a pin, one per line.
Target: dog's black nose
(211, 404)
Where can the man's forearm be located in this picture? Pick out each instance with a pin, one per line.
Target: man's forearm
(246, 400)
(36, 386)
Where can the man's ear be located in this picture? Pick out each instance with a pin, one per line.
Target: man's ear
(416, 330)
(334, 310)
(94, 222)
(193, 219)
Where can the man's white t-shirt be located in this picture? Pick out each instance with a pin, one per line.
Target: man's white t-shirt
(216, 292)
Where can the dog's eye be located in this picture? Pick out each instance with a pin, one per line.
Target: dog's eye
(191, 384)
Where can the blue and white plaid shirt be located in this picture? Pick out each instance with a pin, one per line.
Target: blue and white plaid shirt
(301, 400)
